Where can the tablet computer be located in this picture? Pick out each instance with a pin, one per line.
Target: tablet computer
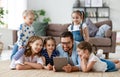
(59, 62)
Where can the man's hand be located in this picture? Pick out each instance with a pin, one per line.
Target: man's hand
(67, 68)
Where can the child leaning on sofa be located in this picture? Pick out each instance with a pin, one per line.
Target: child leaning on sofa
(90, 62)
(25, 31)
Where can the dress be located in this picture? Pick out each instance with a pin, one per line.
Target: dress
(23, 33)
(102, 65)
(74, 57)
(75, 29)
(49, 60)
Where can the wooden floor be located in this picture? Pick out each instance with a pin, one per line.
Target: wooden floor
(6, 72)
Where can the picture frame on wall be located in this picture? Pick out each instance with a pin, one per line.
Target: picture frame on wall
(96, 3)
(87, 3)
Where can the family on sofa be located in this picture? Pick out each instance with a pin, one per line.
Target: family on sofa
(29, 53)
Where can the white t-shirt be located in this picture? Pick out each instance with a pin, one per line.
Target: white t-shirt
(77, 27)
(35, 59)
(99, 65)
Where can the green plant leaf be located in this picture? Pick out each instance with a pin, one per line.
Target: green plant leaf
(42, 12)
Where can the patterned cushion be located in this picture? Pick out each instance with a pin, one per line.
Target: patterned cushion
(40, 28)
(91, 27)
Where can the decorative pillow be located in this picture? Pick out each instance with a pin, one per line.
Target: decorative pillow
(40, 28)
(102, 30)
(91, 27)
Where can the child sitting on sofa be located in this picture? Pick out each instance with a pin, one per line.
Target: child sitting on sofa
(78, 27)
(32, 58)
(91, 62)
(49, 52)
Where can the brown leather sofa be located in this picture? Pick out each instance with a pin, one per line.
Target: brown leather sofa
(108, 43)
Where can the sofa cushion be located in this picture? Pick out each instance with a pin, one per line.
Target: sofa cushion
(40, 28)
(100, 41)
(56, 29)
(91, 27)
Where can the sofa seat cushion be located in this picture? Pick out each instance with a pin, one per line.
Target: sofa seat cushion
(56, 29)
(100, 41)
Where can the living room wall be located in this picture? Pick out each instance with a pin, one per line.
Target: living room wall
(60, 10)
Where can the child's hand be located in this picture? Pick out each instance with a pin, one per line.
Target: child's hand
(21, 47)
(84, 56)
(54, 69)
(49, 67)
(67, 68)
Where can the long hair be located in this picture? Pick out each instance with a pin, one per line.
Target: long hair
(32, 39)
(82, 15)
(49, 38)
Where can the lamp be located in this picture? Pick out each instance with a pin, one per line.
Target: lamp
(76, 4)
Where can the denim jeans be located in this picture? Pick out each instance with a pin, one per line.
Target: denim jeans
(15, 49)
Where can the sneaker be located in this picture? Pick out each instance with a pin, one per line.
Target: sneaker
(100, 53)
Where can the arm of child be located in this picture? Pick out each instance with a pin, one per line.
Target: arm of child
(86, 34)
(34, 65)
(38, 65)
(85, 65)
(20, 35)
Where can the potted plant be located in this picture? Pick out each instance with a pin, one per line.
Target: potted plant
(2, 14)
(41, 22)
(40, 16)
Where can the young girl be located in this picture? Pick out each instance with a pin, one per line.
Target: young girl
(78, 27)
(91, 62)
(49, 52)
(32, 58)
(25, 31)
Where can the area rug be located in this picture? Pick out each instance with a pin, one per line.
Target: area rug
(6, 72)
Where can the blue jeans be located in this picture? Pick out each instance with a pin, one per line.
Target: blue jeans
(15, 49)
(17, 53)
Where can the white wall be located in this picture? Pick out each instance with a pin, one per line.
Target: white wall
(6, 37)
(60, 10)
(15, 9)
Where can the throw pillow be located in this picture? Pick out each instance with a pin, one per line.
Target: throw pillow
(102, 30)
(91, 27)
(40, 28)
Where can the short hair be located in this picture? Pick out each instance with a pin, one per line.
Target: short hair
(28, 12)
(67, 34)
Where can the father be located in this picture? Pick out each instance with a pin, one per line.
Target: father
(67, 48)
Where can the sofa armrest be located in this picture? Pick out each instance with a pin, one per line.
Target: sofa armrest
(113, 39)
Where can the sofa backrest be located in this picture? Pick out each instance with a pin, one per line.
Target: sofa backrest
(56, 29)
(108, 22)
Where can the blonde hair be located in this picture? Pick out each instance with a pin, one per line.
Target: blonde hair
(28, 12)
